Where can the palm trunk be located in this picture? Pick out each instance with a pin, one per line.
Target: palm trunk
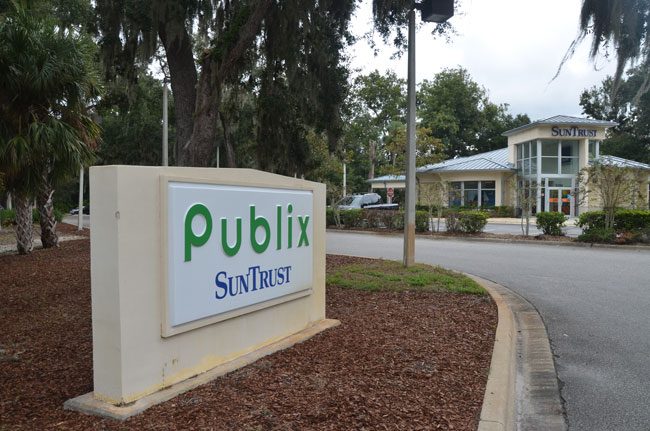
(24, 228)
(49, 238)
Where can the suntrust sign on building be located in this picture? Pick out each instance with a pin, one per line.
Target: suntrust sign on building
(230, 247)
(196, 272)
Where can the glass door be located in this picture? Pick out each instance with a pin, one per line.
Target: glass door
(560, 200)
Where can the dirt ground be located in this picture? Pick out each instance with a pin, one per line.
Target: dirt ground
(399, 361)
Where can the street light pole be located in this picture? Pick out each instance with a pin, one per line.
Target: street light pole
(409, 215)
(165, 131)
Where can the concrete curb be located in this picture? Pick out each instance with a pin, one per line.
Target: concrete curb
(88, 404)
(522, 392)
(500, 240)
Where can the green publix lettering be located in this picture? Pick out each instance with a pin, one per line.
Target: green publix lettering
(230, 247)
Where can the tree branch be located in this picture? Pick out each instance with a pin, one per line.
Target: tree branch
(247, 34)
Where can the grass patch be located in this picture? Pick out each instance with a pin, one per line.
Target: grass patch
(388, 275)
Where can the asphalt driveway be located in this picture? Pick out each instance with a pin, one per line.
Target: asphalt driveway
(595, 303)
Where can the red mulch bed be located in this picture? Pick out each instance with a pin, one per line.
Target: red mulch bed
(398, 361)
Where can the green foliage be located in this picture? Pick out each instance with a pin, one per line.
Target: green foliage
(47, 77)
(632, 220)
(613, 186)
(599, 234)
(617, 24)
(131, 121)
(452, 221)
(385, 275)
(391, 22)
(7, 217)
(551, 223)
(459, 112)
(472, 221)
(329, 217)
(351, 218)
(631, 110)
(383, 219)
(624, 220)
(501, 211)
(421, 221)
(591, 220)
(375, 105)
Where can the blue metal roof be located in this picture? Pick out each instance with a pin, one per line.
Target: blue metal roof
(562, 120)
(496, 160)
(388, 179)
(622, 163)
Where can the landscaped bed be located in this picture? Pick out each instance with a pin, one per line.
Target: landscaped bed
(409, 354)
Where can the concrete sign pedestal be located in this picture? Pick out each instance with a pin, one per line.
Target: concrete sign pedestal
(154, 329)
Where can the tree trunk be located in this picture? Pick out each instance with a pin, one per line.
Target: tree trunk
(230, 151)
(49, 238)
(201, 149)
(180, 59)
(24, 228)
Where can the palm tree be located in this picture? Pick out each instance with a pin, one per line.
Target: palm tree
(45, 130)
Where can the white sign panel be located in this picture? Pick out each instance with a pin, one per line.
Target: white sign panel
(229, 247)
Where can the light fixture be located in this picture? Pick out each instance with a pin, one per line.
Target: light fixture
(436, 10)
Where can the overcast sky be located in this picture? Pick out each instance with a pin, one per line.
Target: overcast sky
(511, 47)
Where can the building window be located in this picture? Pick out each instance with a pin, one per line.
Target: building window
(527, 158)
(594, 150)
(473, 194)
(560, 157)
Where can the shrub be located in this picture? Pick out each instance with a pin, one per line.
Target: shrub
(472, 221)
(503, 211)
(631, 220)
(598, 234)
(421, 221)
(551, 222)
(329, 217)
(452, 221)
(351, 218)
(7, 217)
(624, 220)
(591, 220)
(398, 219)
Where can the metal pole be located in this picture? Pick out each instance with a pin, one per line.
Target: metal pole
(80, 224)
(165, 139)
(409, 215)
(218, 148)
(345, 179)
(9, 202)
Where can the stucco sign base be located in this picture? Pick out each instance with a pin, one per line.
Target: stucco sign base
(88, 404)
(256, 280)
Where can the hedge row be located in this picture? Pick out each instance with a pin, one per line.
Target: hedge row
(629, 226)
(8, 217)
(362, 218)
(498, 211)
(465, 221)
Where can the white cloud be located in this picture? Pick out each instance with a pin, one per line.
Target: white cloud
(511, 47)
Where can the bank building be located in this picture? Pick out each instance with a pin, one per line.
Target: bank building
(544, 157)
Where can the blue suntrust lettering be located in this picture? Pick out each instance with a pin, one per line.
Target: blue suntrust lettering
(573, 132)
(255, 279)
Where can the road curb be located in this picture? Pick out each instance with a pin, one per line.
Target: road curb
(522, 391)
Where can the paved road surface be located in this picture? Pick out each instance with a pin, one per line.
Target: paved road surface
(595, 303)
